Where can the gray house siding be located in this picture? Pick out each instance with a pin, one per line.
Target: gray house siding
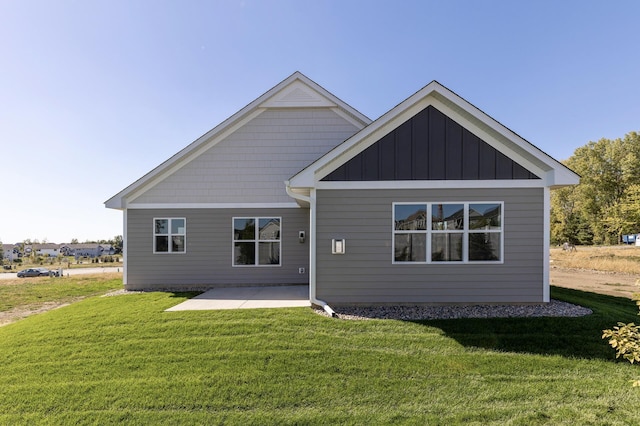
(365, 273)
(251, 164)
(207, 261)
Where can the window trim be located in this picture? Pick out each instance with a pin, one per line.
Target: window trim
(169, 234)
(256, 241)
(429, 232)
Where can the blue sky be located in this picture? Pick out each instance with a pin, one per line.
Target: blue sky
(94, 94)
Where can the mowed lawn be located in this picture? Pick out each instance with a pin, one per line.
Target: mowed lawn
(122, 359)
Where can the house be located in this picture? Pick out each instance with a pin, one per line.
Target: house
(91, 250)
(433, 202)
(10, 252)
(47, 249)
(107, 250)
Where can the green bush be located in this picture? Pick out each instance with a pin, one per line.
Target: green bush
(625, 339)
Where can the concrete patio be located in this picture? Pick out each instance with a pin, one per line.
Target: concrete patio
(247, 298)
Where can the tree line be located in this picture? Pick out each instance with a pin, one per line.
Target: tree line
(606, 204)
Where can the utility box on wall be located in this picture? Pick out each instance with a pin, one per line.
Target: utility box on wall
(337, 246)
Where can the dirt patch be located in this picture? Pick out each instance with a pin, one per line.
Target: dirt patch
(15, 314)
(610, 283)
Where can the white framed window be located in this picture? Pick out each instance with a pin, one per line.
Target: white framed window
(448, 232)
(170, 235)
(256, 241)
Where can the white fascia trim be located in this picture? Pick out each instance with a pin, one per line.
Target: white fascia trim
(180, 159)
(358, 124)
(546, 246)
(492, 132)
(150, 206)
(191, 153)
(432, 184)
(563, 175)
(125, 250)
(366, 139)
(500, 146)
(364, 120)
(312, 248)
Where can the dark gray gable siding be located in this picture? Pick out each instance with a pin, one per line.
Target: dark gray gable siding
(430, 146)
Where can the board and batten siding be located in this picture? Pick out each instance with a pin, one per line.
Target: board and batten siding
(207, 262)
(365, 273)
(251, 164)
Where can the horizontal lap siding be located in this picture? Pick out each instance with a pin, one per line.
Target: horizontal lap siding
(207, 262)
(251, 164)
(365, 273)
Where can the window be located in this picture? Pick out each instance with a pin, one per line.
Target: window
(256, 241)
(447, 232)
(169, 235)
(447, 226)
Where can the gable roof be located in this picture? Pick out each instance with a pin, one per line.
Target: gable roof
(551, 172)
(296, 91)
(429, 146)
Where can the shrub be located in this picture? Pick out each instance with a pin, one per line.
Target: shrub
(625, 339)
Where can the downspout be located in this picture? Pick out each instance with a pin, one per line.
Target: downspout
(312, 247)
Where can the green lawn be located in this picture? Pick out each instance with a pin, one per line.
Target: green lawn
(122, 359)
(33, 292)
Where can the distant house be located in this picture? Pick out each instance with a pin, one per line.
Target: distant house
(10, 252)
(107, 250)
(85, 250)
(47, 249)
(433, 202)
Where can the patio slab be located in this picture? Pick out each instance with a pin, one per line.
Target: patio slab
(247, 298)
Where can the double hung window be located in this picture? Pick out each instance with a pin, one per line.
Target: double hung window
(256, 241)
(169, 235)
(447, 232)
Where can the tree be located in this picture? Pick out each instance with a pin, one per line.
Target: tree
(604, 206)
(118, 243)
(568, 224)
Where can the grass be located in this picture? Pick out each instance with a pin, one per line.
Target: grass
(30, 293)
(122, 359)
(624, 259)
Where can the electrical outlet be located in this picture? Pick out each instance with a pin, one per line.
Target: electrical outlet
(301, 270)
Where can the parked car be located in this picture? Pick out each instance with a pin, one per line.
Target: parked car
(34, 272)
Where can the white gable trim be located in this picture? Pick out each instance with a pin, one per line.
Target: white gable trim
(296, 91)
(350, 118)
(499, 137)
(187, 156)
(377, 134)
(297, 95)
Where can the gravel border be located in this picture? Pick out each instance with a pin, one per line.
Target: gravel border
(554, 308)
